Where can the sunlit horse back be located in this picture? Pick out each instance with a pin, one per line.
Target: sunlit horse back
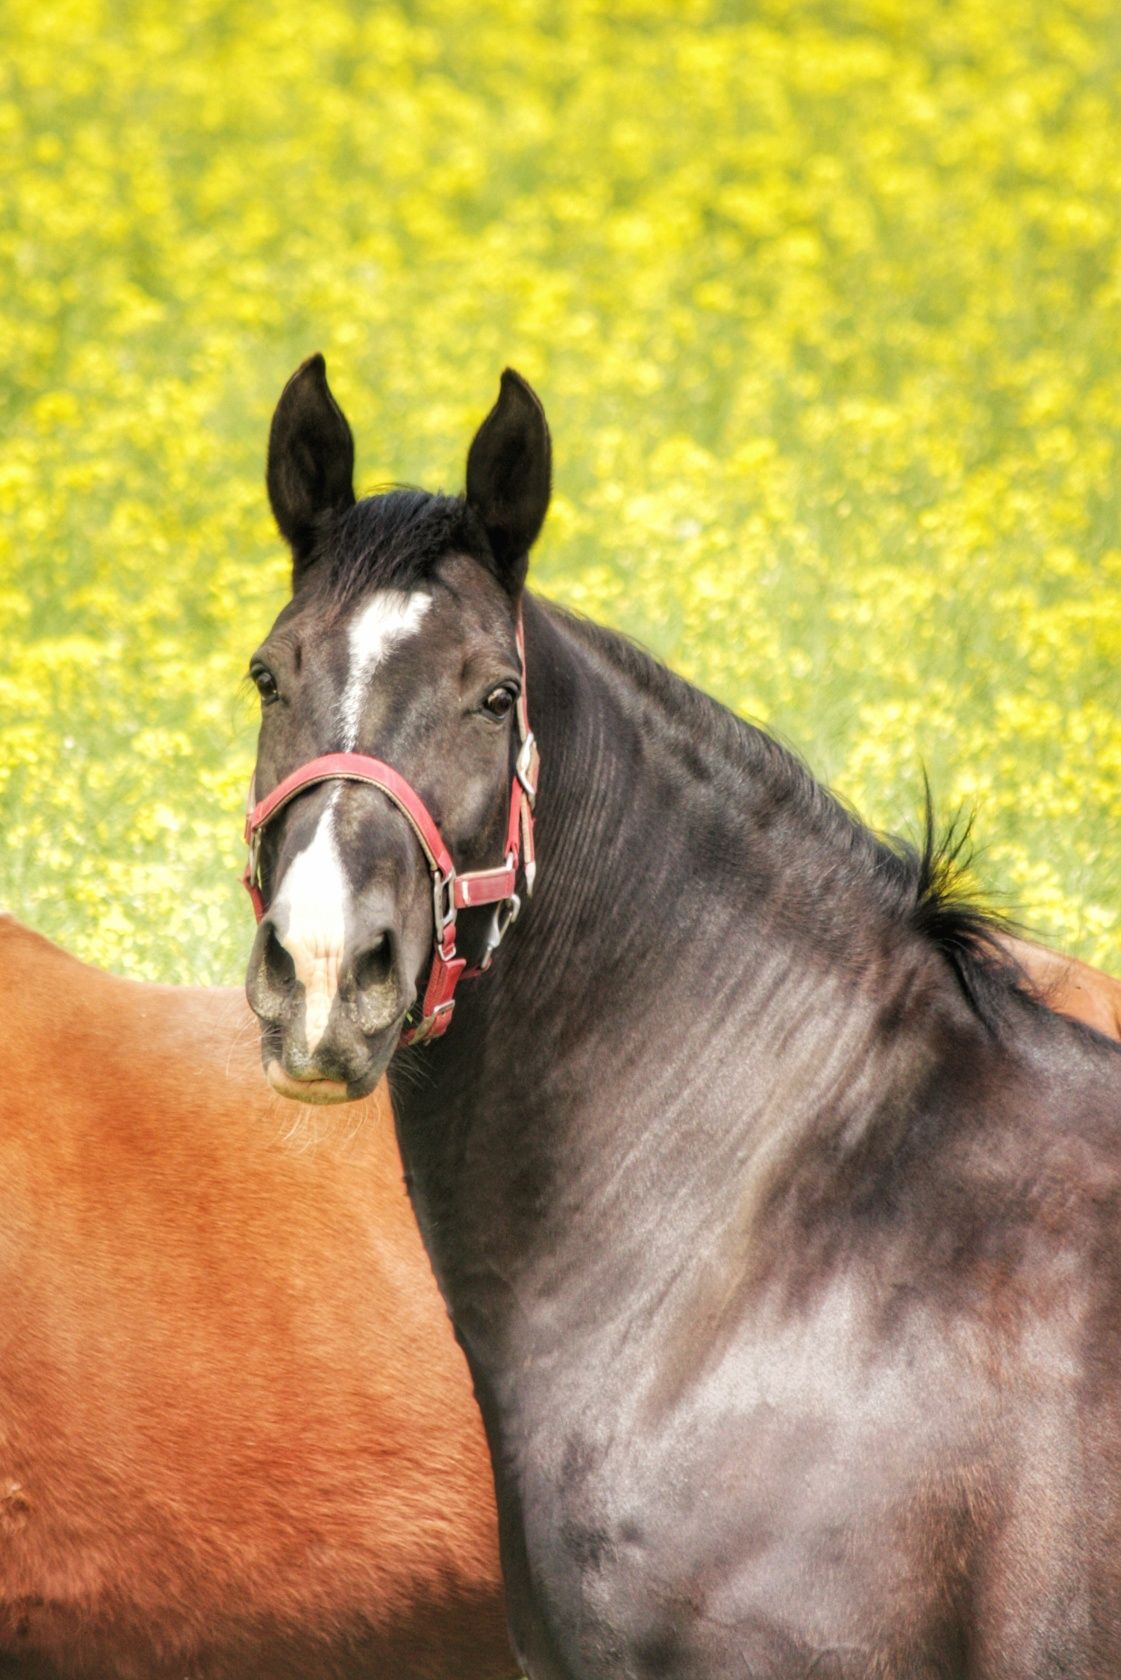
(236, 1437)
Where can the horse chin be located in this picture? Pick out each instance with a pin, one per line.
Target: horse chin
(348, 1076)
(318, 1090)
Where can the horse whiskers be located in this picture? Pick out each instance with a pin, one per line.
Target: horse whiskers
(245, 1031)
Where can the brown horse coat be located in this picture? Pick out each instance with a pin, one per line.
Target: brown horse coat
(1071, 987)
(236, 1436)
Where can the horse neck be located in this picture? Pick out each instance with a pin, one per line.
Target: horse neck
(688, 991)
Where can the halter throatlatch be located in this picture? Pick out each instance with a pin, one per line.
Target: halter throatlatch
(451, 891)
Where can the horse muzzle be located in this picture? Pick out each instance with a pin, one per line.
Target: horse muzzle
(330, 1019)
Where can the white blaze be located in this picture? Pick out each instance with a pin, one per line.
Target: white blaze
(386, 619)
(315, 894)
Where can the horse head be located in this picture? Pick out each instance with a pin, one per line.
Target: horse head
(393, 739)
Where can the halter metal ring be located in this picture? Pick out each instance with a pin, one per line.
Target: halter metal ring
(443, 900)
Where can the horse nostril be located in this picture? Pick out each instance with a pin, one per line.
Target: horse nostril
(375, 966)
(280, 970)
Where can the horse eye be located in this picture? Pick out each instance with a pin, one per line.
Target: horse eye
(266, 684)
(498, 703)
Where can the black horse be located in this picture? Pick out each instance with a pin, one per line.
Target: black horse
(779, 1224)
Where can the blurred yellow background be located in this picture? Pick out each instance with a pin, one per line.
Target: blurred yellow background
(824, 303)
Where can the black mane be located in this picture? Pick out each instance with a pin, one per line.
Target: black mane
(924, 886)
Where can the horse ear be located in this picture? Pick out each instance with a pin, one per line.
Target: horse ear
(509, 469)
(311, 459)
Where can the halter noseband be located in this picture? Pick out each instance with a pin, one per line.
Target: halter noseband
(451, 891)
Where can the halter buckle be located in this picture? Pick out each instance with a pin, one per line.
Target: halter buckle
(432, 1025)
(443, 901)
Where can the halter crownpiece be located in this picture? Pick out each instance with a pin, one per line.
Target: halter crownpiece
(451, 891)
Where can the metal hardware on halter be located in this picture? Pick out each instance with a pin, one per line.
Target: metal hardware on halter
(526, 767)
(434, 1023)
(522, 766)
(505, 915)
(443, 900)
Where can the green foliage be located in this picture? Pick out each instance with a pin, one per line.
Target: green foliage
(824, 301)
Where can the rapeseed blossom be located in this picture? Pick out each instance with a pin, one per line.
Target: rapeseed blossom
(824, 301)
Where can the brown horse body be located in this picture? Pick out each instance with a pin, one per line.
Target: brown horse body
(236, 1436)
(1071, 987)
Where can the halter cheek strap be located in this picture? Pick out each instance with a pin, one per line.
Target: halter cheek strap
(451, 891)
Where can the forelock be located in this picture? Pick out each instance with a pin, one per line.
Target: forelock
(395, 541)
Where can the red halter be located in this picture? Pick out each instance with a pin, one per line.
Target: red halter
(451, 892)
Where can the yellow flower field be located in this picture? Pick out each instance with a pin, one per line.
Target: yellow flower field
(824, 301)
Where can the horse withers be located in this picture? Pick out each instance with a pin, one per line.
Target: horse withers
(778, 1218)
(237, 1441)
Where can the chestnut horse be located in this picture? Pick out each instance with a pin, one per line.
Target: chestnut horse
(778, 1220)
(237, 1439)
(1070, 987)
